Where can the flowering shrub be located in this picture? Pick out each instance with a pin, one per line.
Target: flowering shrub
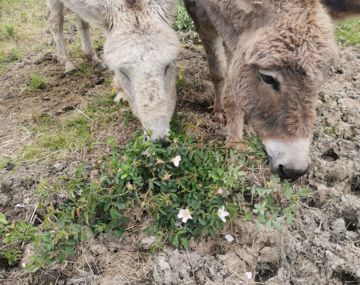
(178, 186)
(189, 189)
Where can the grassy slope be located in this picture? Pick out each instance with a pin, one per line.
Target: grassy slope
(21, 25)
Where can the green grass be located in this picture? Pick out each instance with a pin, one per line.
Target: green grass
(11, 55)
(21, 29)
(183, 21)
(7, 32)
(58, 139)
(3, 162)
(348, 32)
(55, 138)
(37, 82)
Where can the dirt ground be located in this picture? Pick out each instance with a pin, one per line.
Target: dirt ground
(322, 246)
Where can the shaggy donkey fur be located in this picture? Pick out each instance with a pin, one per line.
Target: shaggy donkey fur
(141, 48)
(267, 60)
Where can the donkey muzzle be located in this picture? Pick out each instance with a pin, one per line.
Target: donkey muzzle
(290, 160)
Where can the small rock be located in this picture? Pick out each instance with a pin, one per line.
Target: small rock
(147, 242)
(269, 255)
(10, 166)
(229, 238)
(97, 81)
(338, 226)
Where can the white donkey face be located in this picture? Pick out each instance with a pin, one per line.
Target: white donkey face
(144, 66)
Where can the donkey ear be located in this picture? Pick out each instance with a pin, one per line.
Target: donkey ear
(166, 9)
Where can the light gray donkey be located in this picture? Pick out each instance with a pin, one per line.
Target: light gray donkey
(141, 48)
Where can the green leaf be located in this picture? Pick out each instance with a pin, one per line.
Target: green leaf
(185, 243)
(212, 232)
(119, 232)
(3, 220)
(70, 251)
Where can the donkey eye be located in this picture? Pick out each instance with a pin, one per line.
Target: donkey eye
(167, 68)
(123, 72)
(271, 81)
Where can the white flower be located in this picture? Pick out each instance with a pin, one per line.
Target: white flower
(229, 238)
(222, 213)
(248, 275)
(185, 215)
(176, 160)
(220, 191)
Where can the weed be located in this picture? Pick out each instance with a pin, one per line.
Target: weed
(3, 162)
(99, 44)
(187, 189)
(348, 32)
(8, 56)
(183, 21)
(37, 82)
(332, 131)
(7, 32)
(182, 84)
(267, 208)
(128, 118)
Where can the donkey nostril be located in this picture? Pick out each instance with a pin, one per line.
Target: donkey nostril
(164, 142)
(281, 171)
(290, 174)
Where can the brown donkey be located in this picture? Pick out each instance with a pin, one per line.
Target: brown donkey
(267, 60)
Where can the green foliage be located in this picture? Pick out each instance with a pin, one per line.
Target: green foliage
(7, 32)
(348, 32)
(3, 162)
(12, 255)
(14, 234)
(271, 196)
(183, 21)
(146, 174)
(37, 82)
(145, 179)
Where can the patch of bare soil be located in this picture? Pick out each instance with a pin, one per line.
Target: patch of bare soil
(322, 246)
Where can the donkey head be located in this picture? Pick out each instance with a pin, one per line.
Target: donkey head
(141, 49)
(276, 76)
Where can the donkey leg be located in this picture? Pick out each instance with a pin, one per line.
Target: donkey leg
(84, 29)
(217, 62)
(235, 117)
(120, 94)
(56, 21)
(215, 50)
